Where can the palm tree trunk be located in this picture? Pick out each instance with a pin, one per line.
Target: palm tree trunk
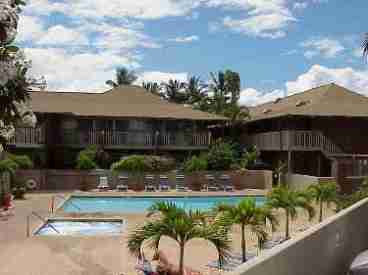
(320, 211)
(287, 233)
(243, 243)
(181, 260)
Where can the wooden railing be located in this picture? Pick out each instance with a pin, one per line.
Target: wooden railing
(133, 138)
(294, 140)
(26, 136)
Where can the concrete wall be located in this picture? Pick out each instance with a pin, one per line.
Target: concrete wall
(326, 249)
(72, 179)
(301, 182)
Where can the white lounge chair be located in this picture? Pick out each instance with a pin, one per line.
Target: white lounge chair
(211, 184)
(103, 184)
(123, 184)
(149, 183)
(164, 183)
(180, 183)
(226, 183)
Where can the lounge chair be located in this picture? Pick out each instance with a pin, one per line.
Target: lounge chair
(226, 183)
(164, 183)
(103, 184)
(180, 184)
(149, 185)
(123, 184)
(211, 183)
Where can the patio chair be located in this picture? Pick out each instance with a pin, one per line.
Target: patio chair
(211, 183)
(180, 184)
(149, 185)
(226, 183)
(164, 183)
(123, 184)
(103, 184)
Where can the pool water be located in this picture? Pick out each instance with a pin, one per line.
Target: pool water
(140, 204)
(80, 228)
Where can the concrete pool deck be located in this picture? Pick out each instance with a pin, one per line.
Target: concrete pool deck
(98, 255)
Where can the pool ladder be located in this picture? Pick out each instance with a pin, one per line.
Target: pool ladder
(35, 214)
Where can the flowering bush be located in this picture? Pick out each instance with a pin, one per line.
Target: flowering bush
(14, 107)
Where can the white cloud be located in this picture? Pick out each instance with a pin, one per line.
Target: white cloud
(76, 72)
(29, 28)
(356, 80)
(317, 75)
(160, 77)
(300, 5)
(60, 35)
(142, 9)
(184, 39)
(253, 97)
(263, 25)
(263, 18)
(325, 47)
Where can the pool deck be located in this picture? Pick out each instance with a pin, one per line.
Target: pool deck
(97, 255)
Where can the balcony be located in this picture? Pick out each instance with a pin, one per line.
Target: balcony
(28, 137)
(294, 141)
(134, 140)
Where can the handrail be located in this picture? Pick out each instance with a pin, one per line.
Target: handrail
(33, 213)
(65, 199)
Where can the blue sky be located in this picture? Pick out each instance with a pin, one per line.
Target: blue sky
(278, 46)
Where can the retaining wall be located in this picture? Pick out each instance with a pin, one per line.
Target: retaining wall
(326, 249)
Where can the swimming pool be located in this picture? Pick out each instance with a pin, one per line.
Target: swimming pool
(80, 228)
(83, 204)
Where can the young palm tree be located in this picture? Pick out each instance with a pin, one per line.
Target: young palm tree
(152, 87)
(123, 77)
(289, 200)
(247, 214)
(174, 91)
(179, 225)
(324, 193)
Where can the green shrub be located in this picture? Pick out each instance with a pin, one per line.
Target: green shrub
(249, 158)
(23, 162)
(134, 164)
(160, 163)
(196, 164)
(84, 162)
(221, 156)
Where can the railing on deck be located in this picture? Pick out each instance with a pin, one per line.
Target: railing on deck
(28, 136)
(294, 140)
(133, 138)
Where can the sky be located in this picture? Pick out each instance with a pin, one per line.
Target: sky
(279, 47)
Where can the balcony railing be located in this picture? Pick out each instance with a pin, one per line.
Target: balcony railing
(133, 138)
(28, 136)
(294, 140)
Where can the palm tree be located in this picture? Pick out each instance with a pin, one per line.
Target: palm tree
(247, 214)
(218, 88)
(324, 193)
(174, 91)
(196, 91)
(123, 77)
(179, 225)
(365, 45)
(279, 170)
(290, 200)
(152, 87)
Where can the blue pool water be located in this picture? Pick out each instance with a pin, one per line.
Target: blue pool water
(80, 228)
(140, 204)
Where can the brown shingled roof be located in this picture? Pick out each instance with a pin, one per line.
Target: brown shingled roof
(327, 100)
(124, 101)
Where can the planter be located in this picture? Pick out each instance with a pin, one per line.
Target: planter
(195, 181)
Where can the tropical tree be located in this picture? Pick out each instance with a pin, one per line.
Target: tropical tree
(152, 87)
(289, 200)
(324, 193)
(232, 86)
(219, 96)
(196, 92)
(6, 166)
(279, 171)
(175, 91)
(247, 214)
(86, 161)
(179, 225)
(249, 157)
(123, 77)
(365, 45)
(14, 83)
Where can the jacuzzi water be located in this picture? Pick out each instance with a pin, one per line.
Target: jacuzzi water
(141, 204)
(80, 228)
